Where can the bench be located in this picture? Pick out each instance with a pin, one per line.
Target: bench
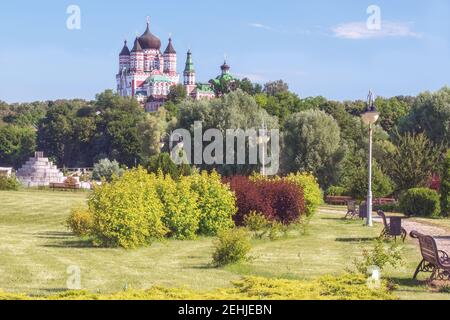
(352, 209)
(386, 233)
(64, 186)
(433, 260)
(338, 200)
(383, 201)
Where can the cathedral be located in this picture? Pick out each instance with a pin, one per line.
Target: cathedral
(147, 74)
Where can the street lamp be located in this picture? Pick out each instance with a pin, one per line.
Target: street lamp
(370, 117)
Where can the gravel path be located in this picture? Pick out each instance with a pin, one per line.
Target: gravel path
(441, 235)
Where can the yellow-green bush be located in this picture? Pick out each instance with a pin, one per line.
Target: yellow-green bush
(232, 246)
(311, 190)
(80, 221)
(347, 287)
(127, 212)
(181, 211)
(217, 203)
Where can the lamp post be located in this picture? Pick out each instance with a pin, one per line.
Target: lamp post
(262, 140)
(370, 117)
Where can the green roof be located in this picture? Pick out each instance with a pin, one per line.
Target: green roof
(189, 63)
(157, 78)
(204, 88)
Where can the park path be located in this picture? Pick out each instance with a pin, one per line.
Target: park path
(441, 235)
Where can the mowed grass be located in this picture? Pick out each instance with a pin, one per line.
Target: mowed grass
(36, 250)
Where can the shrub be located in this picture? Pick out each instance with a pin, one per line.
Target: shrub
(311, 190)
(379, 256)
(80, 221)
(181, 212)
(127, 212)
(346, 287)
(284, 199)
(9, 183)
(163, 163)
(106, 169)
(217, 203)
(420, 202)
(445, 186)
(231, 247)
(278, 200)
(335, 191)
(257, 223)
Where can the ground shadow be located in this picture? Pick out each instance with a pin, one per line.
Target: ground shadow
(71, 244)
(54, 235)
(355, 239)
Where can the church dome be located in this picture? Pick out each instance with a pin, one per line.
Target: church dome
(149, 40)
(125, 51)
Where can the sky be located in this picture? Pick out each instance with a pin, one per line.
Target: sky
(321, 47)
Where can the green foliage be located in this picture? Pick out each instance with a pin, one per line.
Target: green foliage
(430, 114)
(380, 256)
(16, 144)
(80, 221)
(413, 161)
(445, 186)
(275, 87)
(232, 246)
(257, 224)
(163, 163)
(177, 93)
(107, 169)
(420, 202)
(336, 191)
(9, 183)
(346, 287)
(127, 212)
(355, 178)
(236, 110)
(217, 203)
(311, 190)
(312, 143)
(181, 213)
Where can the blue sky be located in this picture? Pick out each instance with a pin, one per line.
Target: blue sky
(319, 47)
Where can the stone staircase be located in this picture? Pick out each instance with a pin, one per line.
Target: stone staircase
(39, 171)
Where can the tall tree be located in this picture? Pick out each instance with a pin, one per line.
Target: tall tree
(312, 142)
(413, 161)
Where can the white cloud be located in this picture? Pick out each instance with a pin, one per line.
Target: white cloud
(260, 26)
(359, 30)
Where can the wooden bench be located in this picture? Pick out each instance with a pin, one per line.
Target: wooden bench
(352, 209)
(338, 200)
(433, 260)
(63, 186)
(383, 201)
(386, 233)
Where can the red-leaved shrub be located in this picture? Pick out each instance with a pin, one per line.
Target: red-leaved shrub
(278, 200)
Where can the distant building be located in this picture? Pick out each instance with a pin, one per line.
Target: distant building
(147, 74)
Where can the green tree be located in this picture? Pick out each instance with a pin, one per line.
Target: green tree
(177, 93)
(413, 161)
(430, 114)
(16, 144)
(312, 140)
(275, 87)
(355, 178)
(162, 163)
(107, 169)
(445, 186)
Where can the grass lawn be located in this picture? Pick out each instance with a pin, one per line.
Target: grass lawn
(36, 249)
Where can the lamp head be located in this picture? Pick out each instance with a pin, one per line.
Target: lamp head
(371, 115)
